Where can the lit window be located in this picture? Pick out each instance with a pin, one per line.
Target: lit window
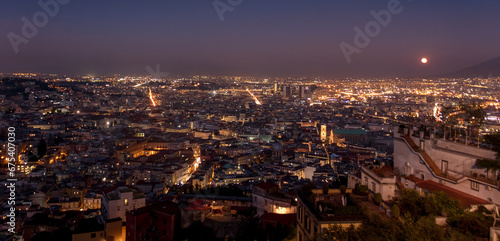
(126, 201)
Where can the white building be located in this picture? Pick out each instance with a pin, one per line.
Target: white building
(117, 201)
(379, 180)
(267, 199)
(445, 162)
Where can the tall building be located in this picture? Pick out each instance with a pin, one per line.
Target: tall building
(304, 91)
(323, 133)
(286, 91)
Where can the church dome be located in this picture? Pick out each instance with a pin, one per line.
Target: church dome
(277, 146)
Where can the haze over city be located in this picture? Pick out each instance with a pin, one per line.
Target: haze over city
(263, 38)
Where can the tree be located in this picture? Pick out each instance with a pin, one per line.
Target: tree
(449, 118)
(440, 204)
(395, 211)
(488, 164)
(325, 189)
(378, 198)
(196, 231)
(436, 204)
(494, 141)
(41, 236)
(279, 232)
(360, 190)
(306, 190)
(249, 227)
(473, 223)
(42, 148)
(343, 189)
(472, 115)
(334, 232)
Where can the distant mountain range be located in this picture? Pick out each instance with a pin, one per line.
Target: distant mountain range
(490, 68)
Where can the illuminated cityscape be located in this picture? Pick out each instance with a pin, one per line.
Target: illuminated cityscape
(261, 130)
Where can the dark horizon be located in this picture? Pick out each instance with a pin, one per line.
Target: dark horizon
(256, 38)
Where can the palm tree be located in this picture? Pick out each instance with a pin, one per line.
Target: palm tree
(450, 119)
(489, 164)
(473, 116)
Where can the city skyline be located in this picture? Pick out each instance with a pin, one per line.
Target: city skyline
(250, 120)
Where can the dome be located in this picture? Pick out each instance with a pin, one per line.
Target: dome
(277, 146)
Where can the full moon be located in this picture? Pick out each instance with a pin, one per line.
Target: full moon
(424, 60)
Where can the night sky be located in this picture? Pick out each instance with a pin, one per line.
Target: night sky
(262, 38)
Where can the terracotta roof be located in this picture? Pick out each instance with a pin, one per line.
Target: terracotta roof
(465, 199)
(384, 171)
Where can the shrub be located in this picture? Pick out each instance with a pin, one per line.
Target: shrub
(343, 189)
(325, 189)
(361, 190)
(395, 211)
(378, 198)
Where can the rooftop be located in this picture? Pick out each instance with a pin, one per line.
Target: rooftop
(349, 131)
(466, 200)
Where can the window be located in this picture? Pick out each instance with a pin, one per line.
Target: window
(126, 201)
(444, 166)
(474, 185)
(93, 235)
(366, 181)
(374, 187)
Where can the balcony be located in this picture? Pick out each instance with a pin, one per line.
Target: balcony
(481, 178)
(427, 159)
